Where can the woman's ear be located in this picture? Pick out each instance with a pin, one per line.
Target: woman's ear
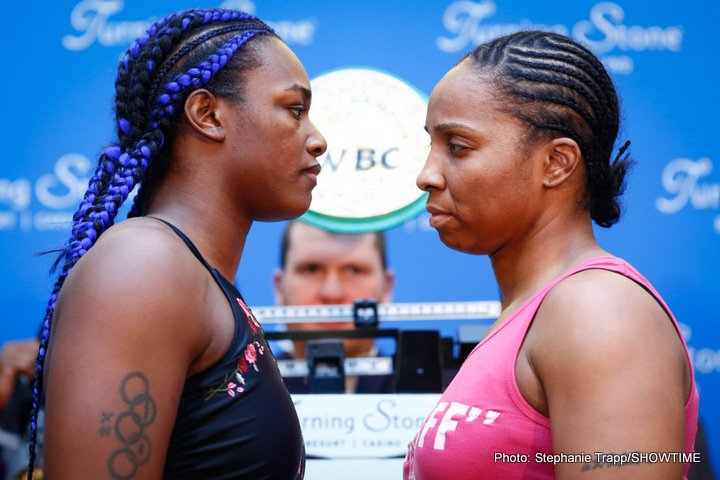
(563, 158)
(204, 116)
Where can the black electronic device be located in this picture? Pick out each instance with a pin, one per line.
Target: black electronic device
(419, 362)
(365, 313)
(326, 366)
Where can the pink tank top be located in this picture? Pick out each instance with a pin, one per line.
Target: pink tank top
(482, 415)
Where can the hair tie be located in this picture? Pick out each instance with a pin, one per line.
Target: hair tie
(622, 150)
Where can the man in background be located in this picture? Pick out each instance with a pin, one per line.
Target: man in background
(318, 267)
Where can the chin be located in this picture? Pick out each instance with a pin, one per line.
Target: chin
(279, 216)
(458, 244)
(288, 211)
(298, 210)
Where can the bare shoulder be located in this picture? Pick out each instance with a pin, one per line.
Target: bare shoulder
(137, 258)
(597, 306)
(597, 323)
(139, 275)
(598, 314)
(135, 248)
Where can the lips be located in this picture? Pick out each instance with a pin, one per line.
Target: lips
(313, 169)
(435, 211)
(311, 174)
(437, 216)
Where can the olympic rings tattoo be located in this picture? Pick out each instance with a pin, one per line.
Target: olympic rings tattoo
(130, 426)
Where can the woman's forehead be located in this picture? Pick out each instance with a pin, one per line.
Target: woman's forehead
(465, 92)
(467, 79)
(278, 58)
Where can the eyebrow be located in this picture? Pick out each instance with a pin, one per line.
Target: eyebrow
(444, 127)
(306, 93)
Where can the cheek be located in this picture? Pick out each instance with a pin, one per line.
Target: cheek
(299, 290)
(285, 138)
(474, 216)
(468, 192)
(364, 287)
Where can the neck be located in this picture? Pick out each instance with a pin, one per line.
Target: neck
(218, 234)
(527, 265)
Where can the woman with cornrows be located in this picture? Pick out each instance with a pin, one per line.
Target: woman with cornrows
(152, 363)
(585, 374)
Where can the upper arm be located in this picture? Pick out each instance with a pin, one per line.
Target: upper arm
(120, 348)
(614, 375)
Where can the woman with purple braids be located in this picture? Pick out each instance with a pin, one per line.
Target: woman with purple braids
(156, 367)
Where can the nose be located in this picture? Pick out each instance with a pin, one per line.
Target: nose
(332, 291)
(430, 177)
(316, 144)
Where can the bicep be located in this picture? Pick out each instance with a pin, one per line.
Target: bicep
(120, 433)
(613, 379)
(112, 388)
(617, 415)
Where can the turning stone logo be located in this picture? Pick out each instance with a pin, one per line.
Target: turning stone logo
(682, 181)
(605, 31)
(361, 426)
(56, 196)
(705, 360)
(91, 21)
(376, 146)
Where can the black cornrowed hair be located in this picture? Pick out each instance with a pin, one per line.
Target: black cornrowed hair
(178, 54)
(557, 86)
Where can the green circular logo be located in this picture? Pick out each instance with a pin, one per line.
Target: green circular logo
(373, 123)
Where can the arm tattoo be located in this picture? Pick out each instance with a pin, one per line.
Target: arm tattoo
(106, 424)
(611, 460)
(129, 427)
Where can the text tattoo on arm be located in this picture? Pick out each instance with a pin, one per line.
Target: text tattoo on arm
(129, 426)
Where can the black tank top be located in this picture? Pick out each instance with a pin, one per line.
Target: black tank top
(236, 419)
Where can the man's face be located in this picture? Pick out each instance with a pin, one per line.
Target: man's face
(323, 268)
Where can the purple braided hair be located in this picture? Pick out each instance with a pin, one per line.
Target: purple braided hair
(123, 166)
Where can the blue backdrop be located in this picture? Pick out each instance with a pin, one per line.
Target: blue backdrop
(60, 60)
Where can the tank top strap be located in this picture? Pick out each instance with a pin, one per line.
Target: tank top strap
(599, 262)
(521, 319)
(187, 242)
